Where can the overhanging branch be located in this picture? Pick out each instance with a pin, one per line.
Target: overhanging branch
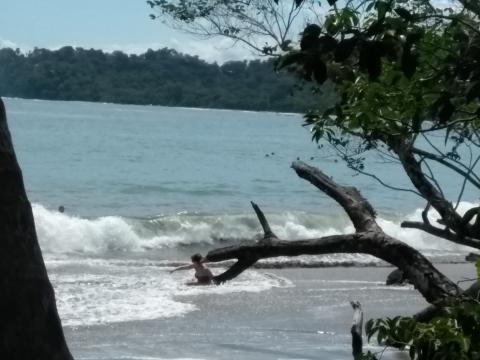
(442, 233)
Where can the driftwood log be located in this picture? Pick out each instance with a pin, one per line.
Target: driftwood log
(357, 330)
(368, 238)
(30, 327)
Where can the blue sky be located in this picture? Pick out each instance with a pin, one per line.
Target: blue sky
(103, 24)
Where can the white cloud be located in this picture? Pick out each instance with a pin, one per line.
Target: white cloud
(219, 49)
(7, 43)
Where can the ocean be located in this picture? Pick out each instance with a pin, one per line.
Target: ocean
(144, 187)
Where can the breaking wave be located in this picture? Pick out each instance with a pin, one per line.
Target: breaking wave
(61, 233)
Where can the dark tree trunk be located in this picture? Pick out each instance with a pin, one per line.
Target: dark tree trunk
(30, 327)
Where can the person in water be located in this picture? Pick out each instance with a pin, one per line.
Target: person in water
(203, 274)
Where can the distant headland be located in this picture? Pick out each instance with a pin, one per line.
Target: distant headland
(160, 77)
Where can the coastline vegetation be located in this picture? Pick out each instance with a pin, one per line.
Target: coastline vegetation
(158, 77)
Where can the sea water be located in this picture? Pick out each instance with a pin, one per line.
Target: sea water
(144, 187)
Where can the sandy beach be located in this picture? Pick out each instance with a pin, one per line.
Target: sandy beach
(307, 319)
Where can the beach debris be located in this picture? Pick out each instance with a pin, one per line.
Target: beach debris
(356, 329)
(396, 277)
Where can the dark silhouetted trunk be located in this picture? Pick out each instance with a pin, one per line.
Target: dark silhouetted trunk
(30, 327)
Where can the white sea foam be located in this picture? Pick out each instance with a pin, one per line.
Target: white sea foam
(60, 233)
(115, 293)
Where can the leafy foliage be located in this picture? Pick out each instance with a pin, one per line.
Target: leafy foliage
(262, 25)
(453, 335)
(406, 73)
(401, 67)
(162, 77)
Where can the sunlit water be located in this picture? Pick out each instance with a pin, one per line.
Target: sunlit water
(144, 187)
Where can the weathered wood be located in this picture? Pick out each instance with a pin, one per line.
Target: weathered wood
(267, 232)
(396, 277)
(432, 284)
(30, 327)
(356, 330)
(431, 311)
(358, 209)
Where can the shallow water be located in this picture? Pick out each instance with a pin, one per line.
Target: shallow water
(144, 187)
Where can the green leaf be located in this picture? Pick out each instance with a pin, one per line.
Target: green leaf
(473, 91)
(409, 62)
(404, 14)
(445, 111)
(382, 9)
(310, 36)
(297, 2)
(319, 71)
(344, 49)
(371, 59)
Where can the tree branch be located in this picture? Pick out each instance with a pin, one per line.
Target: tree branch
(442, 233)
(441, 160)
(431, 311)
(359, 210)
(268, 233)
(434, 286)
(369, 239)
(414, 171)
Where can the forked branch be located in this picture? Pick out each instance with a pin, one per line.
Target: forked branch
(369, 239)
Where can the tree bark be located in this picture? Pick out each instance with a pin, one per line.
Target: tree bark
(369, 239)
(357, 330)
(30, 327)
(463, 232)
(431, 311)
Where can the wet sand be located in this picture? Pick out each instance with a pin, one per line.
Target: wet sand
(309, 320)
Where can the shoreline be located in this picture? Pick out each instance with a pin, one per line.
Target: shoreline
(308, 318)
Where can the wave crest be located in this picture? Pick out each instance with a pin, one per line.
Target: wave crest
(61, 233)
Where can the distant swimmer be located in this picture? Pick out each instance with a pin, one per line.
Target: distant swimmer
(61, 209)
(203, 274)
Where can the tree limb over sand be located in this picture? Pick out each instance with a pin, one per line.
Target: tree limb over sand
(369, 238)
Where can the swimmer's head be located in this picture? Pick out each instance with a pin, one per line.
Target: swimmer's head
(61, 208)
(196, 258)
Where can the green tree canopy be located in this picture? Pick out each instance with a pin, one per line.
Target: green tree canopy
(160, 77)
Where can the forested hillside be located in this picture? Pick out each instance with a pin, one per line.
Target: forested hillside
(162, 77)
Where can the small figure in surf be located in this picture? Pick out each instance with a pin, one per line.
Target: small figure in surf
(203, 274)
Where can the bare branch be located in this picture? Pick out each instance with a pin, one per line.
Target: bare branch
(413, 170)
(359, 210)
(268, 233)
(369, 239)
(433, 285)
(442, 160)
(442, 233)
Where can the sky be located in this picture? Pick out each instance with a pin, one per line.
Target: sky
(101, 24)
